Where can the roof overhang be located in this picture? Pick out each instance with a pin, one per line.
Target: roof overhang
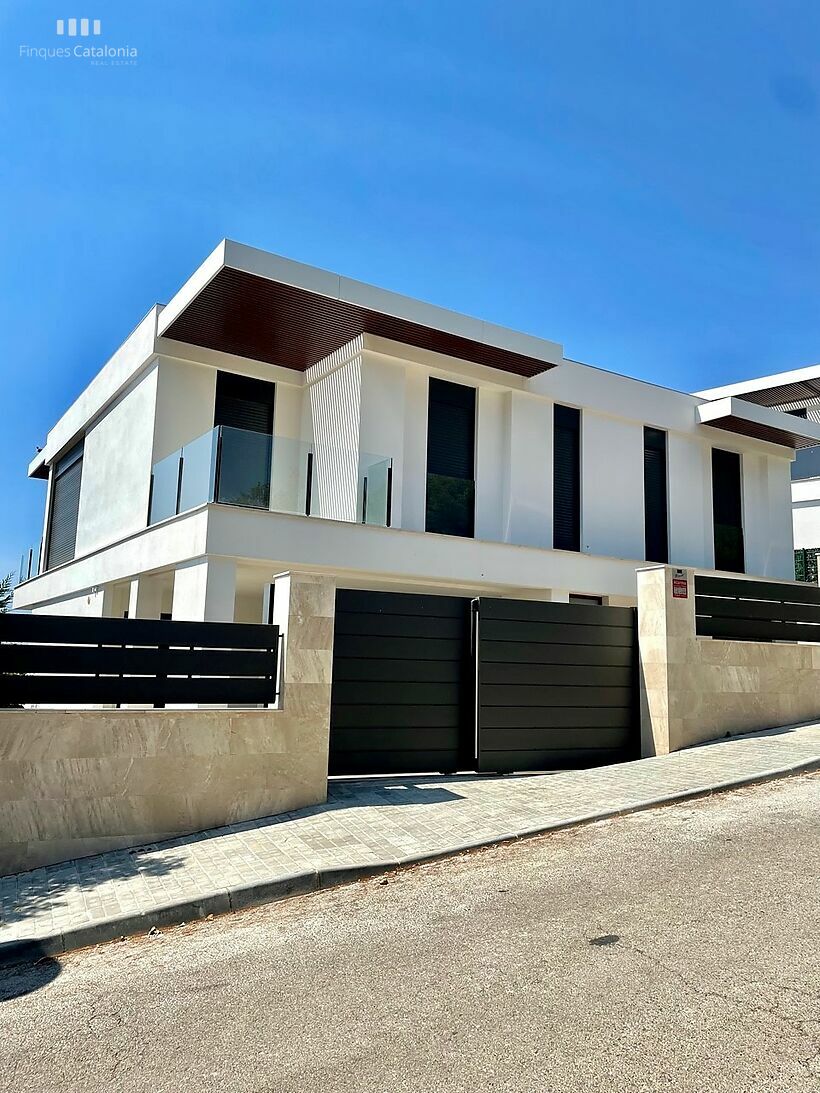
(736, 415)
(254, 304)
(799, 385)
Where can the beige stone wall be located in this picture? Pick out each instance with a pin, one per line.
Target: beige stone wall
(79, 782)
(698, 689)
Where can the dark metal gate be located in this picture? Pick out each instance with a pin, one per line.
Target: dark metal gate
(440, 683)
(402, 684)
(556, 685)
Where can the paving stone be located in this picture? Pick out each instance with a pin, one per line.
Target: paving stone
(366, 822)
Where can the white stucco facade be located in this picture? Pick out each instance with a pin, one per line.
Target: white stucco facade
(370, 397)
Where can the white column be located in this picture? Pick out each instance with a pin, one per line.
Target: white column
(529, 520)
(205, 591)
(145, 598)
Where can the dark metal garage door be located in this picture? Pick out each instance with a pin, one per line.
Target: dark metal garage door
(403, 684)
(556, 685)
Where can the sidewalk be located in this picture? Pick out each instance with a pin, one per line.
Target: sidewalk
(366, 827)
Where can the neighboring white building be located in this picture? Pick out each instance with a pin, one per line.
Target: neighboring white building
(276, 417)
(796, 393)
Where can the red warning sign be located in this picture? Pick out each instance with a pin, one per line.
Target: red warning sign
(680, 586)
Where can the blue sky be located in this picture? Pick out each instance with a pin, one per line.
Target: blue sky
(639, 181)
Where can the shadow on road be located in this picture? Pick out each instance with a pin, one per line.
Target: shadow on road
(38, 971)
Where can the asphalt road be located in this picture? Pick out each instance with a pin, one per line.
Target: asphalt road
(677, 949)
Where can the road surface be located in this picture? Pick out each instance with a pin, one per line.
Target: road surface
(675, 949)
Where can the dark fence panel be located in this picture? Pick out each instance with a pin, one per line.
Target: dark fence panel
(57, 659)
(402, 681)
(739, 610)
(556, 684)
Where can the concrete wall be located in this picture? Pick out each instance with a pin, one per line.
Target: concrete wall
(334, 394)
(185, 405)
(697, 689)
(74, 783)
(116, 476)
(806, 513)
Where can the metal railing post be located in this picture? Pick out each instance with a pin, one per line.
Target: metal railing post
(309, 485)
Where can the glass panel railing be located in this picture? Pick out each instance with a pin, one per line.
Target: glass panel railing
(450, 505)
(243, 472)
(198, 471)
(256, 470)
(29, 564)
(293, 482)
(374, 489)
(165, 488)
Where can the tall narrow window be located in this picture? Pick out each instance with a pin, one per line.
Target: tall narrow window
(727, 510)
(451, 459)
(656, 512)
(244, 403)
(566, 478)
(244, 413)
(65, 506)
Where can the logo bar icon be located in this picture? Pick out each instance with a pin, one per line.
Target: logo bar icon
(87, 26)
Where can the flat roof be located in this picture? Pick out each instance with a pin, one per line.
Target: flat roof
(779, 389)
(736, 415)
(254, 304)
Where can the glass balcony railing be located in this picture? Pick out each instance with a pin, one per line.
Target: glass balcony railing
(450, 505)
(256, 470)
(30, 563)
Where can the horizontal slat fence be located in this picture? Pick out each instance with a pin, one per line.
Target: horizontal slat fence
(402, 683)
(742, 610)
(556, 684)
(54, 659)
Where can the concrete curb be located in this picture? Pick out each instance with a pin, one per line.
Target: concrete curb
(222, 901)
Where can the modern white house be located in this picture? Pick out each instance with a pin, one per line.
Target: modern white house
(796, 393)
(275, 417)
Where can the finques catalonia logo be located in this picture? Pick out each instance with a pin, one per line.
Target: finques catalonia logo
(95, 53)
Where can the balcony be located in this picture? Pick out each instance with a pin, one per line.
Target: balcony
(259, 471)
(30, 563)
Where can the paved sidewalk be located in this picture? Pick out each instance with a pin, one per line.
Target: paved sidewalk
(366, 827)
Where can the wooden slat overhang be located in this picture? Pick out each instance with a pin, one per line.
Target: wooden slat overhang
(249, 315)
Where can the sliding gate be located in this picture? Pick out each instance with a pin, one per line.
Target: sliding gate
(556, 685)
(402, 684)
(441, 683)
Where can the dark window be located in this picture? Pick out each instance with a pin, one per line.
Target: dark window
(727, 510)
(566, 479)
(656, 512)
(590, 601)
(243, 411)
(244, 403)
(801, 411)
(65, 506)
(451, 459)
(806, 463)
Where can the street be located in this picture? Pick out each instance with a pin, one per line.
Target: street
(673, 949)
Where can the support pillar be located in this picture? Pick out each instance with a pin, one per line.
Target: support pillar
(304, 607)
(205, 591)
(145, 598)
(667, 649)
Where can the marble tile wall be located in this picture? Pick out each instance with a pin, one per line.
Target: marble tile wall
(76, 782)
(698, 689)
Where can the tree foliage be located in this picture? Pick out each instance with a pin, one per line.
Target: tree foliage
(6, 592)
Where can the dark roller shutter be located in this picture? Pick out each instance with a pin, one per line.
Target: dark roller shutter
(655, 496)
(566, 482)
(65, 506)
(727, 510)
(451, 458)
(244, 403)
